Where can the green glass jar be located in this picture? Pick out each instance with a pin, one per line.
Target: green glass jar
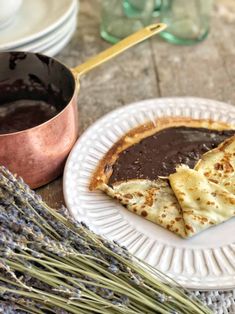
(120, 18)
(188, 20)
(157, 7)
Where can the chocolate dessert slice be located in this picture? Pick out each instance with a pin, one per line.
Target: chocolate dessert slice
(150, 153)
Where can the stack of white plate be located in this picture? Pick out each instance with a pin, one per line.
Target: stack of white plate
(44, 26)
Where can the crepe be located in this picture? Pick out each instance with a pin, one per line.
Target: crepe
(104, 169)
(218, 165)
(203, 202)
(153, 200)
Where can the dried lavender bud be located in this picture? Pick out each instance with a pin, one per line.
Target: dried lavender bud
(10, 308)
(105, 293)
(123, 301)
(115, 247)
(72, 294)
(59, 311)
(5, 197)
(114, 269)
(64, 212)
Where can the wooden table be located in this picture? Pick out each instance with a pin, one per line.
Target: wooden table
(152, 69)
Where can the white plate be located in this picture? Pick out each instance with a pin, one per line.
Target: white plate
(206, 261)
(50, 39)
(55, 48)
(35, 19)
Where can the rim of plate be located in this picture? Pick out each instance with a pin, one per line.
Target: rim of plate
(61, 37)
(50, 38)
(71, 5)
(212, 276)
(56, 47)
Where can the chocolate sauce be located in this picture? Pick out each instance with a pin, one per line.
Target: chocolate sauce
(33, 89)
(158, 155)
(24, 114)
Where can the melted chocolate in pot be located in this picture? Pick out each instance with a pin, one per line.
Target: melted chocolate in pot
(33, 89)
(159, 154)
(24, 114)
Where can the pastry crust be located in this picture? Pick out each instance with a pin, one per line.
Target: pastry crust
(104, 169)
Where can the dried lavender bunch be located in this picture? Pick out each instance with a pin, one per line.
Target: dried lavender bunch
(50, 263)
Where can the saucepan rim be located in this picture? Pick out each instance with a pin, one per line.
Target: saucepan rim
(75, 90)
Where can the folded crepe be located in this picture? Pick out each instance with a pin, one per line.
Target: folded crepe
(207, 193)
(153, 200)
(203, 202)
(218, 165)
(156, 201)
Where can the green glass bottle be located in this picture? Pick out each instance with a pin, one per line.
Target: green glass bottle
(188, 20)
(120, 18)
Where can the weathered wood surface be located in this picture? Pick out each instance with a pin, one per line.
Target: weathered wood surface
(152, 69)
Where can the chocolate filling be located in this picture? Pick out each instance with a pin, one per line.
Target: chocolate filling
(33, 89)
(159, 154)
(24, 114)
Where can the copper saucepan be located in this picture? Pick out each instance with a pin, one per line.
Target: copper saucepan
(38, 154)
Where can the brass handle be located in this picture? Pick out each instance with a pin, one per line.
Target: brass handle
(121, 46)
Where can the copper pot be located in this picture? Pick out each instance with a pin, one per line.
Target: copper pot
(38, 154)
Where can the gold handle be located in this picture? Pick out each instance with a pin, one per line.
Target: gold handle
(118, 48)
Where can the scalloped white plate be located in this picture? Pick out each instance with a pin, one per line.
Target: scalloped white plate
(52, 49)
(206, 261)
(52, 38)
(34, 20)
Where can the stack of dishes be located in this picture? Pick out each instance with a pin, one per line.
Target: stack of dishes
(41, 26)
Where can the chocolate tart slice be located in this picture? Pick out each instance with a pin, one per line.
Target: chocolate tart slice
(149, 153)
